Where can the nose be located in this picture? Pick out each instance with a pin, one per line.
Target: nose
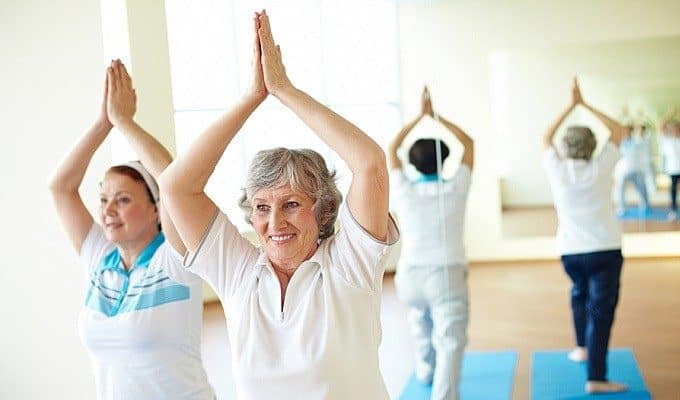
(277, 219)
(109, 208)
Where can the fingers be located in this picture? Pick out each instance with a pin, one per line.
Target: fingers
(110, 80)
(126, 80)
(256, 36)
(117, 74)
(265, 34)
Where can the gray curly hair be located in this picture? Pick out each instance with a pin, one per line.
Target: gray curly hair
(579, 143)
(305, 171)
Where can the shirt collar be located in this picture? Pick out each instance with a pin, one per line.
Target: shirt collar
(316, 258)
(428, 178)
(113, 259)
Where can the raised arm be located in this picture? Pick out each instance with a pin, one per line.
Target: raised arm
(392, 159)
(576, 99)
(368, 193)
(616, 130)
(69, 174)
(122, 105)
(467, 142)
(182, 184)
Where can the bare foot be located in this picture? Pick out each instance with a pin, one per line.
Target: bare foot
(605, 387)
(579, 354)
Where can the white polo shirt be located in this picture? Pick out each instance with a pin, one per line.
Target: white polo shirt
(323, 343)
(582, 193)
(431, 215)
(142, 327)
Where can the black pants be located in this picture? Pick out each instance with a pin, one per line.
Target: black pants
(674, 191)
(594, 297)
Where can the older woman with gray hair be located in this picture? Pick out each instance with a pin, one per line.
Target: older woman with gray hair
(588, 235)
(302, 310)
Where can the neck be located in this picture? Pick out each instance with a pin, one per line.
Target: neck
(288, 267)
(129, 252)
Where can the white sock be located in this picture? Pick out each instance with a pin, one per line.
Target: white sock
(579, 354)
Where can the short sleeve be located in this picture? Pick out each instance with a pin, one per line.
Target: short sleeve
(171, 261)
(222, 257)
(608, 156)
(551, 160)
(94, 248)
(358, 256)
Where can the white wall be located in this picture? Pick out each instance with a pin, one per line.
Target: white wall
(448, 44)
(52, 74)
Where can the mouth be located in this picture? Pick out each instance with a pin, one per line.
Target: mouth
(281, 239)
(113, 225)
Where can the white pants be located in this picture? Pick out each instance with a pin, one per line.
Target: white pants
(438, 314)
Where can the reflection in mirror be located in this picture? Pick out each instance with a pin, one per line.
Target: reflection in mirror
(636, 82)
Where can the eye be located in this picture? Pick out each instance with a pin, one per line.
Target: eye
(290, 205)
(262, 208)
(102, 201)
(122, 200)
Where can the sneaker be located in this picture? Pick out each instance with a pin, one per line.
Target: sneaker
(605, 387)
(579, 354)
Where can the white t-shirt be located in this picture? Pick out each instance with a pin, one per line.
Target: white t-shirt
(582, 195)
(324, 343)
(431, 216)
(670, 149)
(142, 327)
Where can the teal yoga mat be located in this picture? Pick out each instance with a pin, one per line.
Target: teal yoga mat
(486, 375)
(555, 377)
(650, 214)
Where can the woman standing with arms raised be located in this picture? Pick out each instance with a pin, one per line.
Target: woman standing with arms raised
(303, 310)
(141, 322)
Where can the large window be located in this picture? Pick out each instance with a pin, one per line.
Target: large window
(343, 53)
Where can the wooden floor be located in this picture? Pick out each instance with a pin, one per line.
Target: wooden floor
(521, 306)
(542, 221)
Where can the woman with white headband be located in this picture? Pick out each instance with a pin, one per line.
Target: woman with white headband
(588, 235)
(142, 315)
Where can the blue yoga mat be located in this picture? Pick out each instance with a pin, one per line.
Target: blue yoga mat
(651, 214)
(555, 377)
(485, 376)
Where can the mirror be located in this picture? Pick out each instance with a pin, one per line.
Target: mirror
(636, 82)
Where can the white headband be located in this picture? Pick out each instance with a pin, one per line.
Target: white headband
(148, 179)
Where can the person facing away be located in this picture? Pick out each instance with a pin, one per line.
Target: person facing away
(303, 309)
(588, 235)
(670, 151)
(141, 321)
(432, 272)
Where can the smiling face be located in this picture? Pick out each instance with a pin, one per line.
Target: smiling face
(286, 225)
(126, 211)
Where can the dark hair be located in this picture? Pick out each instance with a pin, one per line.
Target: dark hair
(137, 177)
(423, 155)
(134, 175)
